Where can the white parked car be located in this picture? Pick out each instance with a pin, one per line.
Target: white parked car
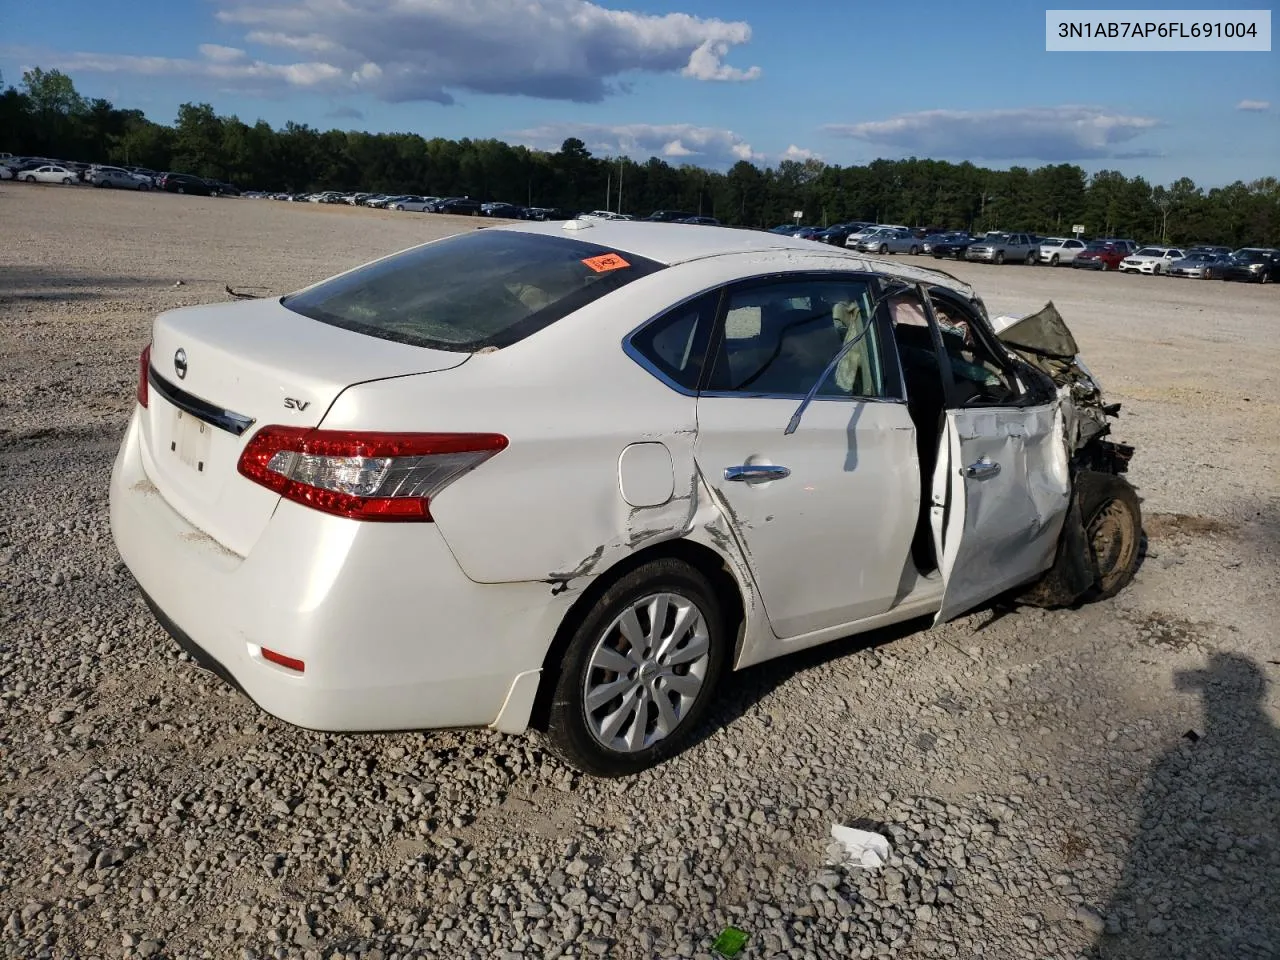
(1152, 260)
(568, 475)
(49, 173)
(853, 239)
(1056, 250)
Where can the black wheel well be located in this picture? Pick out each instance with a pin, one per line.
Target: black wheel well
(702, 558)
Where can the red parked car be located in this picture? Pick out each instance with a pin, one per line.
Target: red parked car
(1101, 255)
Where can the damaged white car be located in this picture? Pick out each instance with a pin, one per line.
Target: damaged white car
(565, 476)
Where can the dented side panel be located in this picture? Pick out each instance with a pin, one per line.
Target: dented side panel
(827, 543)
(1011, 488)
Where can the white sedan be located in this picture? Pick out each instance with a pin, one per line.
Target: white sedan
(49, 173)
(568, 475)
(1056, 250)
(1152, 260)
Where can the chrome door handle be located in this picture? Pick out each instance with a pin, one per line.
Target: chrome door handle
(983, 469)
(756, 471)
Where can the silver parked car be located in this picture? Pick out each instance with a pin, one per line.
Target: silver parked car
(119, 178)
(1200, 264)
(890, 240)
(417, 204)
(1005, 247)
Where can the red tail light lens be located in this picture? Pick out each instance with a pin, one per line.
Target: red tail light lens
(144, 365)
(364, 476)
(291, 663)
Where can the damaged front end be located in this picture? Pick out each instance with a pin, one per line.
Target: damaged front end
(1043, 340)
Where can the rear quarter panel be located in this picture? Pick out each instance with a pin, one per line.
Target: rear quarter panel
(569, 400)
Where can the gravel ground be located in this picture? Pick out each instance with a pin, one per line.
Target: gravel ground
(1103, 782)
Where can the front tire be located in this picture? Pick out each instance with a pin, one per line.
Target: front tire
(884, 249)
(1053, 261)
(999, 257)
(1113, 529)
(639, 672)
(31, 179)
(66, 181)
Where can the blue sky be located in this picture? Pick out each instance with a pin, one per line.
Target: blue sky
(692, 80)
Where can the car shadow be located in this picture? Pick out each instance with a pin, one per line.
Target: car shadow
(1201, 877)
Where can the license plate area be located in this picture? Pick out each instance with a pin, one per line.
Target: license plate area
(190, 439)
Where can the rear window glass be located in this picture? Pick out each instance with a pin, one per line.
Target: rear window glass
(487, 288)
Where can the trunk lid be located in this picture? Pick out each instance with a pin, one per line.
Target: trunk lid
(244, 365)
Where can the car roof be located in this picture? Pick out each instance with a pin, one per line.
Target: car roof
(675, 243)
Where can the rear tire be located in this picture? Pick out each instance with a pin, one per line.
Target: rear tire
(66, 181)
(594, 708)
(1112, 519)
(915, 251)
(1031, 258)
(31, 179)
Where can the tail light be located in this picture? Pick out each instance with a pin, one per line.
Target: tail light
(144, 365)
(364, 476)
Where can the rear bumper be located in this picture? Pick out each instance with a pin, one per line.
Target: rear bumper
(393, 635)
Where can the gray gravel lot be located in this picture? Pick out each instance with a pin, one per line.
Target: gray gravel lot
(1103, 782)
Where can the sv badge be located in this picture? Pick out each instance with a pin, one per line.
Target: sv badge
(292, 404)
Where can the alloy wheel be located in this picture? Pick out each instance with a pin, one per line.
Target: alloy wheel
(646, 671)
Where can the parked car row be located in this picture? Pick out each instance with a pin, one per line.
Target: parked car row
(109, 176)
(417, 203)
(1203, 261)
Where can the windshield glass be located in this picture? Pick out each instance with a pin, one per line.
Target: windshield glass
(1150, 252)
(1249, 256)
(479, 289)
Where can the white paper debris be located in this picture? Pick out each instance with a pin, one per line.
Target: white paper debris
(858, 848)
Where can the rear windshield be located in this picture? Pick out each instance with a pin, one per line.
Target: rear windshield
(487, 288)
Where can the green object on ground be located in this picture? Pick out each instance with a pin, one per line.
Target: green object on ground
(730, 942)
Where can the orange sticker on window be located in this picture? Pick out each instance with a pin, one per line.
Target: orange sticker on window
(606, 262)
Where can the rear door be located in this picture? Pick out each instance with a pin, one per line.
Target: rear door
(1003, 487)
(824, 515)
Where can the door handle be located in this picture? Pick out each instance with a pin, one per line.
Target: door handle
(757, 472)
(983, 469)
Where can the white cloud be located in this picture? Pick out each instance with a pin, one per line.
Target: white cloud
(799, 153)
(684, 142)
(220, 54)
(707, 62)
(1053, 134)
(217, 65)
(415, 50)
(1254, 106)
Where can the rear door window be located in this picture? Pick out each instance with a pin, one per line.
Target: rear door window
(485, 288)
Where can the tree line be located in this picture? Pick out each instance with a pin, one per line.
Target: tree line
(46, 116)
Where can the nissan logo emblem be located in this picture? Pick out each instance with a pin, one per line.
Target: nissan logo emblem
(180, 364)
